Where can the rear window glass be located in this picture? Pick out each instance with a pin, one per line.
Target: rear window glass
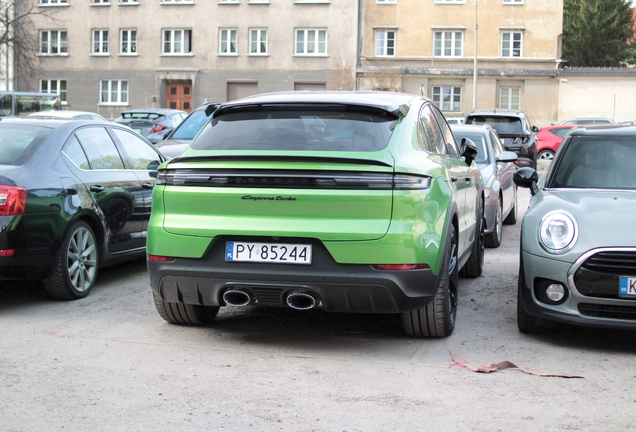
(598, 163)
(503, 125)
(18, 142)
(307, 130)
(191, 125)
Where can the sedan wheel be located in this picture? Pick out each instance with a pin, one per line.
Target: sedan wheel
(545, 155)
(75, 269)
(493, 239)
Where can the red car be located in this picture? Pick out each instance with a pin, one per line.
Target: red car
(548, 140)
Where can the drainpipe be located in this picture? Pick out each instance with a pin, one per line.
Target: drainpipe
(359, 47)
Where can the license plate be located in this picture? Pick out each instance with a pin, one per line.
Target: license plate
(627, 287)
(268, 252)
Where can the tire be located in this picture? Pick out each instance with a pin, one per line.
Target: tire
(493, 240)
(511, 219)
(526, 322)
(185, 314)
(437, 319)
(545, 155)
(474, 267)
(75, 267)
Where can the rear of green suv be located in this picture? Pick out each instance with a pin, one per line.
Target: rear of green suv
(347, 202)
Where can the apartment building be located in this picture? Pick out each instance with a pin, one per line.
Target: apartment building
(429, 47)
(110, 55)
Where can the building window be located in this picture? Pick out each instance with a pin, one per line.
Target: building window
(100, 41)
(448, 44)
(54, 86)
(229, 1)
(311, 42)
(128, 42)
(509, 98)
(227, 41)
(100, 2)
(511, 44)
(177, 1)
(258, 41)
(386, 1)
(450, 1)
(53, 2)
(128, 2)
(53, 42)
(512, 1)
(113, 92)
(384, 43)
(448, 98)
(177, 41)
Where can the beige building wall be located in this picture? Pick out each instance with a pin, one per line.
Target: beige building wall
(595, 96)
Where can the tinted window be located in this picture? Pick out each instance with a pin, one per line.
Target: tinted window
(18, 142)
(191, 126)
(597, 162)
(450, 146)
(429, 133)
(306, 130)
(100, 148)
(141, 156)
(560, 132)
(74, 151)
(502, 125)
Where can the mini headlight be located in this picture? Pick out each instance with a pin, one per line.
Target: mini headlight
(558, 231)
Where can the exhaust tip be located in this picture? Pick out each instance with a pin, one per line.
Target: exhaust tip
(236, 298)
(301, 301)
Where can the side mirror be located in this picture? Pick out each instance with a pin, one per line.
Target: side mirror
(469, 150)
(152, 166)
(535, 129)
(526, 177)
(507, 156)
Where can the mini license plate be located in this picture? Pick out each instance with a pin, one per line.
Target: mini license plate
(627, 287)
(268, 252)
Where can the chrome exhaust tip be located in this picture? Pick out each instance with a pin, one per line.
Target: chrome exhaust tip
(235, 297)
(300, 301)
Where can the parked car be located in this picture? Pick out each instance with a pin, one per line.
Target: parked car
(341, 201)
(578, 244)
(180, 138)
(74, 196)
(66, 114)
(455, 120)
(152, 124)
(497, 167)
(549, 138)
(515, 131)
(587, 120)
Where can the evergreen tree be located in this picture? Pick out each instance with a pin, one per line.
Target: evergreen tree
(597, 32)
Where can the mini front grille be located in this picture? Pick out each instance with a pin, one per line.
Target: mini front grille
(620, 263)
(608, 311)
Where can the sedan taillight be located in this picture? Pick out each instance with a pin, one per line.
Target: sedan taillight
(157, 128)
(12, 200)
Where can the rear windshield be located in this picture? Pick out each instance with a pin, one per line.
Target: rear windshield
(598, 163)
(503, 125)
(18, 142)
(191, 125)
(310, 130)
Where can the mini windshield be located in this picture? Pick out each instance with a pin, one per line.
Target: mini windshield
(191, 126)
(307, 130)
(598, 163)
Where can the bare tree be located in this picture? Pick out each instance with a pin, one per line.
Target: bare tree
(387, 78)
(19, 39)
(342, 77)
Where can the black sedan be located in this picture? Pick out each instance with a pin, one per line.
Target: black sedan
(74, 196)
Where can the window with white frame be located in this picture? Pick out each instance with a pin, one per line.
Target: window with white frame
(54, 86)
(177, 1)
(511, 43)
(53, 42)
(228, 1)
(128, 2)
(177, 41)
(127, 41)
(450, 1)
(447, 98)
(512, 1)
(258, 41)
(227, 41)
(100, 2)
(386, 1)
(53, 2)
(113, 92)
(100, 42)
(311, 42)
(385, 43)
(448, 44)
(510, 98)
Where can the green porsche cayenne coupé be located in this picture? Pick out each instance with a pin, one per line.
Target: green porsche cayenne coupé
(341, 201)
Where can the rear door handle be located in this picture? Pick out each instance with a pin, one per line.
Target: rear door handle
(97, 188)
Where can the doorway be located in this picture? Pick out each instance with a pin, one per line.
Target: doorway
(179, 95)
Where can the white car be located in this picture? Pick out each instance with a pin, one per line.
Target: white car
(66, 114)
(455, 120)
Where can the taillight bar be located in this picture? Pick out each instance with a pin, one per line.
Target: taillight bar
(400, 266)
(160, 258)
(157, 128)
(12, 200)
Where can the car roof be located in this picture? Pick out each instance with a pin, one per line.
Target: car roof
(471, 128)
(60, 113)
(497, 112)
(618, 130)
(386, 101)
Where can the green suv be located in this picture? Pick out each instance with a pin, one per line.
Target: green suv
(341, 201)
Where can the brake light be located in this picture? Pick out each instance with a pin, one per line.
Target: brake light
(401, 266)
(12, 200)
(159, 258)
(7, 252)
(158, 128)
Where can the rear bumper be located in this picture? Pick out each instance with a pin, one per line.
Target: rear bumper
(336, 287)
